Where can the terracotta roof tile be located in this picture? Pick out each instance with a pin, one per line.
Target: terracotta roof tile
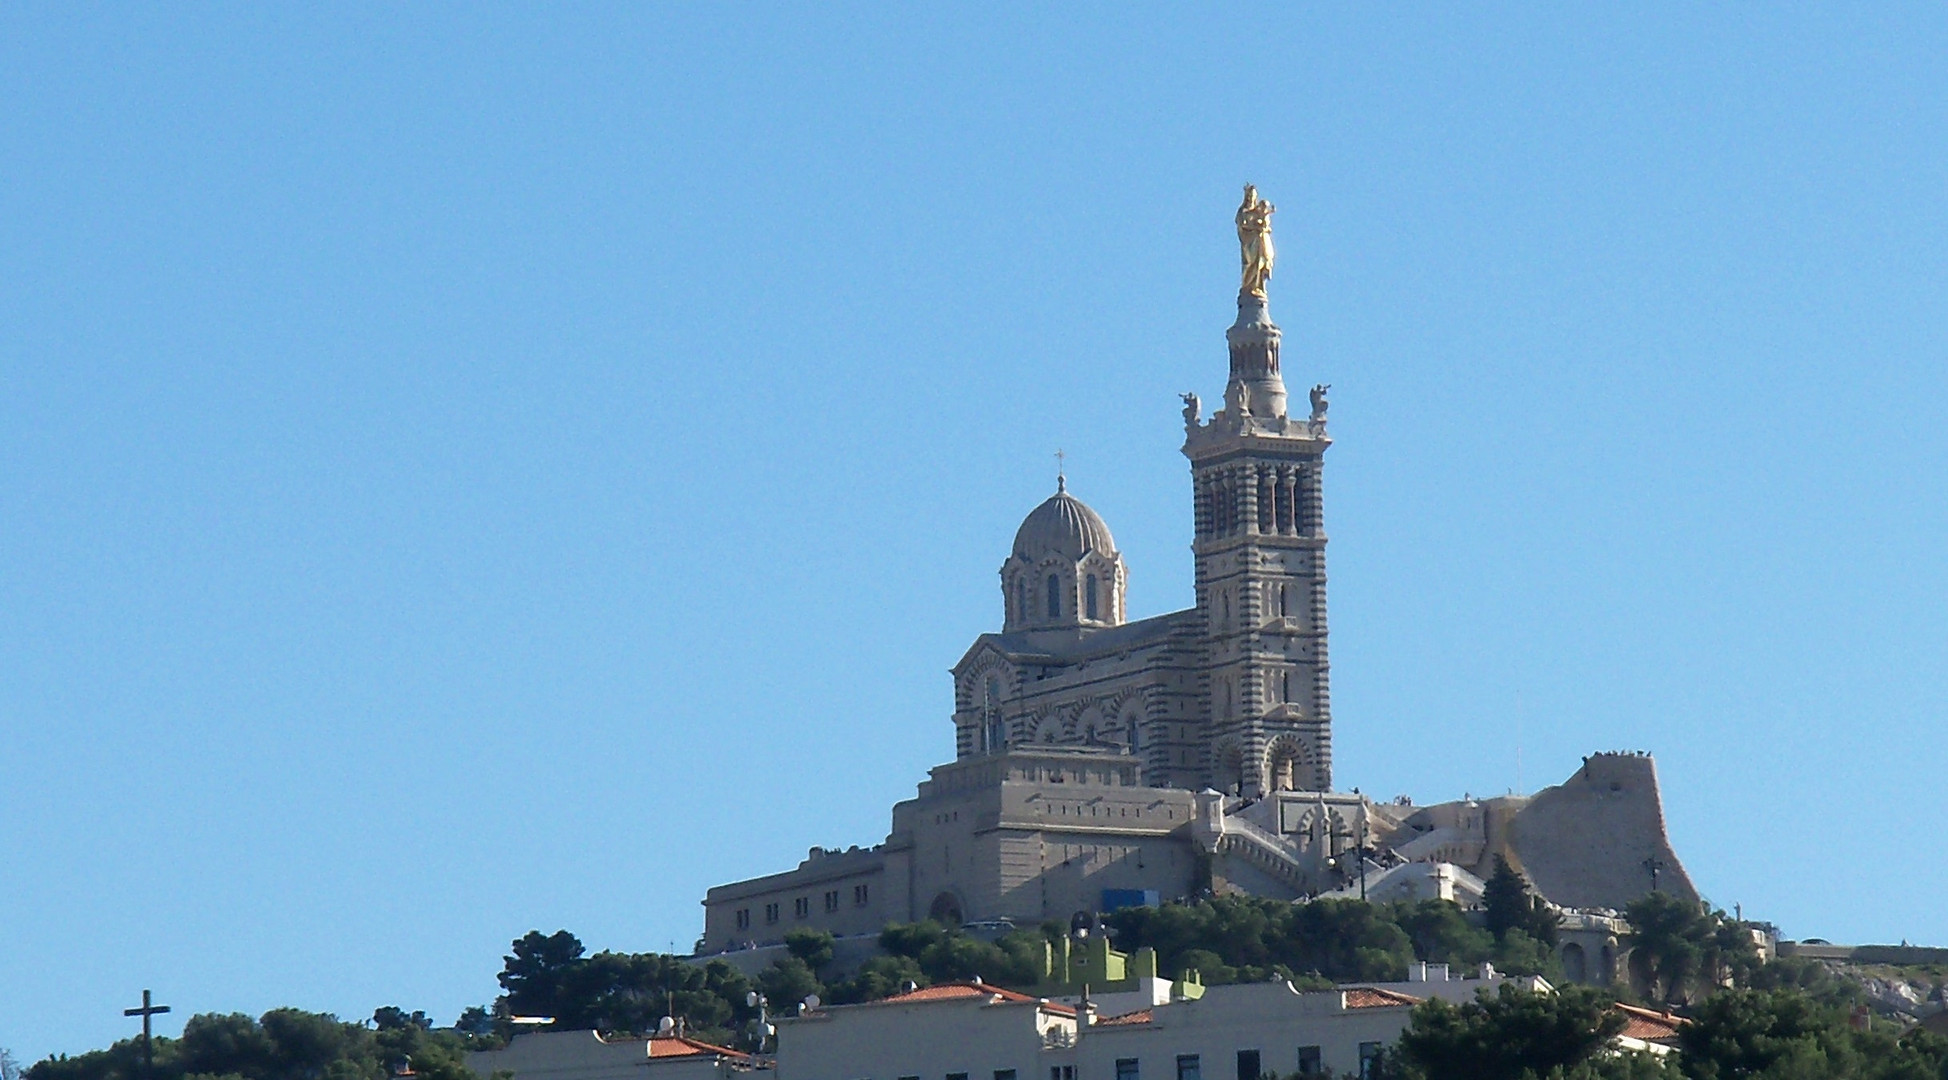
(958, 991)
(1368, 997)
(1141, 1016)
(674, 1046)
(1648, 1025)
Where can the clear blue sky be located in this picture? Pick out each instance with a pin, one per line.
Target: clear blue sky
(468, 469)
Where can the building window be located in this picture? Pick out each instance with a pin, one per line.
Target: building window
(1369, 1060)
(1004, 1074)
(1285, 686)
(1126, 1069)
(1061, 1072)
(1248, 1065)
(1089, 594)
(859, 895)
(1021, 600)
(1054, 597)
(802, 907)
(771, 913)
(743, 918)
(956, 1076)
(1309, 1062)
(832, 900)
(1188, 1068)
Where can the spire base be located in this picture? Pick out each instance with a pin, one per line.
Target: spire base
(1255, 387)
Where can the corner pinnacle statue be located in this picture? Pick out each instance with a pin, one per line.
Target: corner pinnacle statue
(1255, 242)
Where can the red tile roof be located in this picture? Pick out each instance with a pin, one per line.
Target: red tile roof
(1647, 1025)
(1141, 1016)
(673, 1046)
(1368, 997)
(964, 991)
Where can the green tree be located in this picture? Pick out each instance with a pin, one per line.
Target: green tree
(1680, 950)
(1785, 1035)
(878, 977)
(812, 946)
(632, 992)
(283, 1044)
(911, 939)
(1344, 940)
(787, 982)
(1507, 1036)
(532, 974)
(1441, 933)
(1253, 938)
(1512, 905)
(1519, 954)
(1809, 977)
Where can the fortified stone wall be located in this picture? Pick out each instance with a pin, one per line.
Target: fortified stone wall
(1590, 841)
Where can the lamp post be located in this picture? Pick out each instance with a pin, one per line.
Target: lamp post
(1654, 865)
(759, 1002)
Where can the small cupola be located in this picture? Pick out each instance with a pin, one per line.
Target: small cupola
(1065, 572)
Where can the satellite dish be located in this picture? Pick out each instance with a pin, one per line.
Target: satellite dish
(909, 986)
(811, 1001)
(666, 1026)
(751, 999)
(976, 980)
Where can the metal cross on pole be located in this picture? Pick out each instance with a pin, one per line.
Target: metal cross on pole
(146, 1012)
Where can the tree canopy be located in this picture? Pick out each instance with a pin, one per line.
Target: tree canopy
(283, 1044)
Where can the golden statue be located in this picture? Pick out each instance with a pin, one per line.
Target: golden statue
(1255, 242)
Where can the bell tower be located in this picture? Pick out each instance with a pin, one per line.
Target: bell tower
(1260, 553)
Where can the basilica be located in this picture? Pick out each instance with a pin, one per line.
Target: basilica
(1100, 762)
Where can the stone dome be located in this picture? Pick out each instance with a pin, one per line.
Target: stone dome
(1062, 526)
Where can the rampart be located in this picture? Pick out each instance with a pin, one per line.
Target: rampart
(1593, 840)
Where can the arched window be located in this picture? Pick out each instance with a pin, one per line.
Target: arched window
(1284, 601)
(1285, 681)
(1135, 739)
(1054, 597)
(1089, 594)
(1021, 600)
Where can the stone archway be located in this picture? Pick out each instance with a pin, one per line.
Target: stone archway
(946, 910)
(1288, 764)
(1230, 773)
(1575, 965)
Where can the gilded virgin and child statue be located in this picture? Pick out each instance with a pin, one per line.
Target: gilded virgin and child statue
(1255, 242)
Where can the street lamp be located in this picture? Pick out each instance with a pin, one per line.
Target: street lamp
(759, 1002)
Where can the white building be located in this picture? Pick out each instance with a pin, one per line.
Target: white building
(1244, 1031)
(967, 1031)
(951, 1031)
